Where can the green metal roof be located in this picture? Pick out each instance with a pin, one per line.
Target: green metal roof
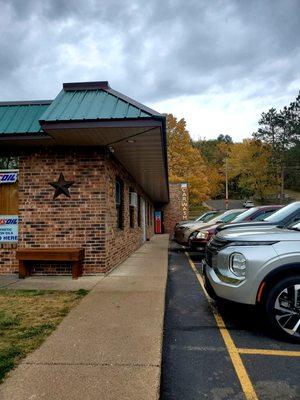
(21, 117)
(83, 101)
(93, 101)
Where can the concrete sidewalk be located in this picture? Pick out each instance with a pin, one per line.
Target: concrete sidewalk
(48, 282)
(109, 346)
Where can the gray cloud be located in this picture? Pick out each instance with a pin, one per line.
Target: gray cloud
(151, 50)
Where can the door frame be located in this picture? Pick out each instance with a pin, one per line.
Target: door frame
(143, 220)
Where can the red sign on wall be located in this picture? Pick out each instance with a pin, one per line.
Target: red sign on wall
(158, 222)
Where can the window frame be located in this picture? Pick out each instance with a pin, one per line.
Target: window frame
(131, 210)
(119, 205)
(139, 214)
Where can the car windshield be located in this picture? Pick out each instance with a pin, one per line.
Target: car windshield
(227, 216)
(294, 227)
(245, 215)
(207, 217)
(284, 212)
(231, 217)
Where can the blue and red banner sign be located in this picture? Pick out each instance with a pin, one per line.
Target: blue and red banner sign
(9, 228)
(158, 221)
(8, 176)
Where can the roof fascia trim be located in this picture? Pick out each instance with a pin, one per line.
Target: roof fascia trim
(12, 138)
(26, 103)
(72, 86)
(123, 123)
(133, 102)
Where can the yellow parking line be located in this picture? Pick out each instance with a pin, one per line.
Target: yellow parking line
(266, 352)
(237, 362)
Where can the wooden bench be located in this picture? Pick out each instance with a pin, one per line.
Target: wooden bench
(73, 255)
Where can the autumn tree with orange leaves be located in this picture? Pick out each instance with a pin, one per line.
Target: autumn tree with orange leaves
(249, 163)
(185, 161)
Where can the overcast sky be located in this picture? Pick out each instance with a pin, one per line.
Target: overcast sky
(218, 64)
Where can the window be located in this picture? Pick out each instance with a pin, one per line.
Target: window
(139, 211)
(263, 215)
(147, 213)
(119, 202)
(283, 213)
(131, 210)
(245, 215)
(230, 217)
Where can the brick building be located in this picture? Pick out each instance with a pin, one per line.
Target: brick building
(92, 168)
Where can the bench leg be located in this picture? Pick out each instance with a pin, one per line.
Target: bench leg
(76, 269)
(22, 270)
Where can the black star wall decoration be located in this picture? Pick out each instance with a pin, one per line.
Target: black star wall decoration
(61, 186)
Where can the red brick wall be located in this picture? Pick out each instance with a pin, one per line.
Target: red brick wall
(78, 221)
(177, 209)
(122, 242)
(86, 219)
(8, 262)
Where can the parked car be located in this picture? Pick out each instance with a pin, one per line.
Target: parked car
(205, 217)
(182, 234)
(282, 218)
(248, 204)
(260, 268)
(199, 239)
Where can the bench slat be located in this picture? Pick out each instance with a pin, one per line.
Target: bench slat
(50, 254)
(72, 255)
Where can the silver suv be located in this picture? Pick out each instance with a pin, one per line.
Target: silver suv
(260, 268)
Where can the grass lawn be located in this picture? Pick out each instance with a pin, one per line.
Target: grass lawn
(27, 317)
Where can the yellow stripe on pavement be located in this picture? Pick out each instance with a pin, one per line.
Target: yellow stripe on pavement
(237, 362)
(266, 352)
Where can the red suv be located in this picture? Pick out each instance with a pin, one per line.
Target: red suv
(199, 238)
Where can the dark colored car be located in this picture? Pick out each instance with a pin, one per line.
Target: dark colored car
(282, 218)
(200, 238)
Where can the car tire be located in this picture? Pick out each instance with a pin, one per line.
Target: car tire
(282, 308)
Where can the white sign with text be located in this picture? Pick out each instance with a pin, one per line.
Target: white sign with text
(9, 228)
(8, 175)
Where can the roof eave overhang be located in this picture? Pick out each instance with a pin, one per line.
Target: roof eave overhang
(49, 126)
(12, 137)
(138, 129)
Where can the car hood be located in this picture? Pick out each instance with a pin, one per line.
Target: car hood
(211, 227)
(197, 225)
(246, 225)
(184, 223)
(270, 234)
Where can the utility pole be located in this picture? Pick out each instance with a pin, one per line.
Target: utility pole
(226, 183)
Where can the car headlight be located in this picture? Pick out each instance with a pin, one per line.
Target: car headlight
(193, 235)
(202, 235)
(238, 264)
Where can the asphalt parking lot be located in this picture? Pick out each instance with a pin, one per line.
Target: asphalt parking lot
(219, 352)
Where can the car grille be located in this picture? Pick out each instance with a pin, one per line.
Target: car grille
(215, 245)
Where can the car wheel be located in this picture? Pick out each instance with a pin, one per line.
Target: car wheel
(282, 308)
